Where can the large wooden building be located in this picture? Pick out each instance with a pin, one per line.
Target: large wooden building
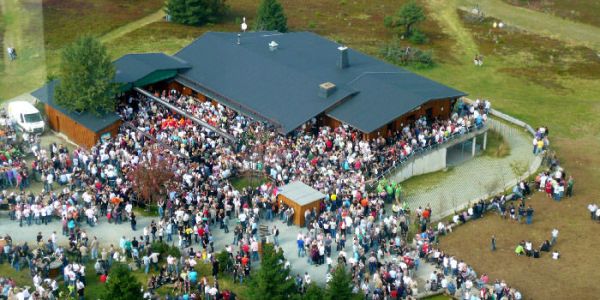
(285, 79)
(298, 78)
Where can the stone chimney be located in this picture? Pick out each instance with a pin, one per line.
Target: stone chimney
(326, 89)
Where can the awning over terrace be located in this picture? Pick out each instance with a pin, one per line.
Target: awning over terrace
(139, 70)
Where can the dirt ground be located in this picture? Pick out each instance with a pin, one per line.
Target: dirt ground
(575, 275)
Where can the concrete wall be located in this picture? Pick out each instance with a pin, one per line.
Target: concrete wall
(434, 160)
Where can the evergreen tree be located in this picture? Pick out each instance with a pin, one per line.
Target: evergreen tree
(340, 285)
(313, 292)
(270, 16)
(406, 18)
(86, 78)
(122, 285)
(196, 12)
(272, 281)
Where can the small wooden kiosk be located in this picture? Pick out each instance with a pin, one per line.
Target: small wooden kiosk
(301, 197)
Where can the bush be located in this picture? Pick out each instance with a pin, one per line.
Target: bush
(225, 261)
(423, 59)
(407, 56)
(418, 37)
(122, 284)
(164, 249)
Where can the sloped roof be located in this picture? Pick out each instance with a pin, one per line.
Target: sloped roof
(90, 121)
(282, 85)
(385, 96)
(133, 67)
(301, 193)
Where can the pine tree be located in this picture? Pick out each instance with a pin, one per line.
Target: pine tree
(122, 285)
(340, 285)
(86, 78)
(406, 18)
(270, 16)
(196, 12)
(313, 292)
(272, 281)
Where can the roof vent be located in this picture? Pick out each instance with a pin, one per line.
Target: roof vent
(343, 60)
(326, 89)
(273, 46)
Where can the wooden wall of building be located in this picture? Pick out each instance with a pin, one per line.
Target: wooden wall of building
(76, 132)
(437, 108)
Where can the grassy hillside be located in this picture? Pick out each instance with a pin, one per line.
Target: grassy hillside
(585, 11)
(65, 20)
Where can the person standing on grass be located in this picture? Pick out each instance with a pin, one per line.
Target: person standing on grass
(529, 214)
(592, 207)
(570, 184)
(493, 243)
(554, 236)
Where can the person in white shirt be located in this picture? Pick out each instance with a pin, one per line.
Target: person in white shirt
(593, 207)
(554, 236)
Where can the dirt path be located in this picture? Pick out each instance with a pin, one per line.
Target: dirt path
(536, 22)
(444, 11)
(118, 32)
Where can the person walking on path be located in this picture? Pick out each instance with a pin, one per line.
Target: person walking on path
(554, 236)
(493, 243)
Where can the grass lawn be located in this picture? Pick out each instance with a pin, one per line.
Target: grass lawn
(584, 11)
(438, 297)
(96, 17)
(423, 182)
(497, 146)
(250, 181)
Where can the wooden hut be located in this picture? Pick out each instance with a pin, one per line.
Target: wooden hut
(132, 70)
(84, 129)
(301, 197)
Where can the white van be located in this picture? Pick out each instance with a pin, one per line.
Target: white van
(26, 116)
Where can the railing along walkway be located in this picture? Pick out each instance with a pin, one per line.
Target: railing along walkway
(449, 142)
(176, 109)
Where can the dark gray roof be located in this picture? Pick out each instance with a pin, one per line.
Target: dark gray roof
(133, 67)
(282, 85)
(45, 94)
(385, 96)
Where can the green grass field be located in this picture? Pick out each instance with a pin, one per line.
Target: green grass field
(96, 17)
(585, 11)
(497, 146)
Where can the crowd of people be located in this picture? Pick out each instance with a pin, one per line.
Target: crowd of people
(92, 185)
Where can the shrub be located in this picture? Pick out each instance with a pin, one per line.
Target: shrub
(225, 261)
(407, 56)
(418, 37)
(164, 249)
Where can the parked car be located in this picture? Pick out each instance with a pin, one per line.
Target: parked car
(26, 117)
